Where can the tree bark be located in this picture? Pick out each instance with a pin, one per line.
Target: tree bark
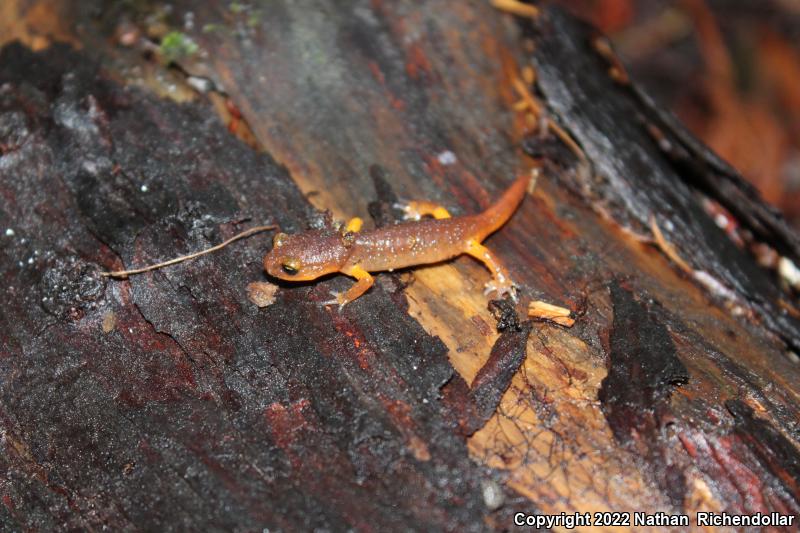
(170, 401)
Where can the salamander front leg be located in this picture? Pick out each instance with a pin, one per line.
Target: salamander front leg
(354, 225)
(415, 210)
(363, 282)
(501, 282)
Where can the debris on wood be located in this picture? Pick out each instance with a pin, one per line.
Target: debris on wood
(109, 321)
(262, 293)
(667, 248)
(516, 8)
(553, 313)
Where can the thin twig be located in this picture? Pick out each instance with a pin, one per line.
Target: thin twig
(537, 110)
(667, 247)
(246, 233)
(516, 8)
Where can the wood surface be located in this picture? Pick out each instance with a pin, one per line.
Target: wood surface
(169, 401)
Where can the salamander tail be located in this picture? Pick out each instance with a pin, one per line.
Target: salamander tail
(499, 212)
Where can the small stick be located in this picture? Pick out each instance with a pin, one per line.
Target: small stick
(516, 8)
(536, 109)
(246, 233)
(667, 247)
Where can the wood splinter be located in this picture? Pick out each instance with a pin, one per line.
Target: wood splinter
(553, 313)
(516, 8)
(667, 248)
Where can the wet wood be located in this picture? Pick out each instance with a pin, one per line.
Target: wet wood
(171, 400)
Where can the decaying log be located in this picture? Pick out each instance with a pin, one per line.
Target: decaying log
(171, 401)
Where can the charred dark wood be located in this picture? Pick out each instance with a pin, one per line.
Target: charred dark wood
(169, 401)
(635, 179)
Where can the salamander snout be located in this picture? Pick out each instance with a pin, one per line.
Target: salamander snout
(305, 256)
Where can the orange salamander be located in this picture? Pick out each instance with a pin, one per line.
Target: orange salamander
(311, 254)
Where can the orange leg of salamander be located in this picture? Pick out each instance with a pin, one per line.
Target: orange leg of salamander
(363, 282)
(501, 282)
(416, 209)
(354, 225)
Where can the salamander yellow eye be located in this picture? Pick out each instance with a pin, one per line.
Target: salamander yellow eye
(279, 240)
(290, 266)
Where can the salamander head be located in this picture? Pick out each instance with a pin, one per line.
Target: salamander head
(305, 256)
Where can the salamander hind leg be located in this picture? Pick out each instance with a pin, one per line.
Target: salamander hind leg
(363, 282)
(501, 282)
(415, 210)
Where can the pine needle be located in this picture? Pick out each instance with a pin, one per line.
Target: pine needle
(122, 274)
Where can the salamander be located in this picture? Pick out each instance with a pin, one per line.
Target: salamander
(423, 240)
